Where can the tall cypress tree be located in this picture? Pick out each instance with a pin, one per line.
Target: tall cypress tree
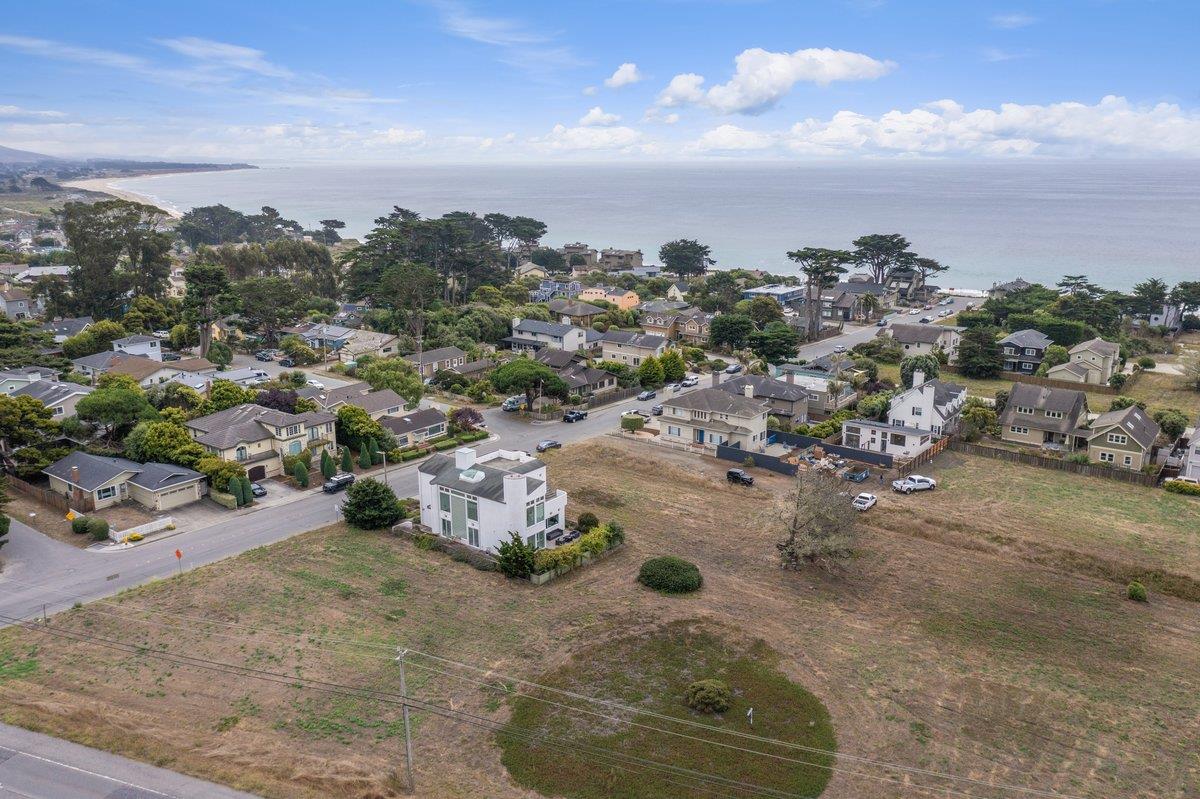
(347, 463)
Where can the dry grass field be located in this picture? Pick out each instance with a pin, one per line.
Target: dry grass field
(975, 634)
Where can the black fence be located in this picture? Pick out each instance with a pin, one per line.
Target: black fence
(849, 453)
(769, 462)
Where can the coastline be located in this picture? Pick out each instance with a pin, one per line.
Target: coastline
(107, 185)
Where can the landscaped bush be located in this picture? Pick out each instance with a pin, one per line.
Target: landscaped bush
(410, 454)
(565, 557)
(708, 696)
(371, 505)
(1078, 457)
(1146, 362)
(445, 445)
(670, 575)
(587, 521)
(632, 423)
(1136, 591)
(79, 525)
(425, 541)
(97, 528)
(516, 558)
(1180, 487)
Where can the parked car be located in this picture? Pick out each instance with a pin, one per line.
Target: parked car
(574, 416)
(914, 312)
(263, 355)
(257, 490)
(314, 384)
(688, 382)
(648, 394)
(926, 320)
(739, 477)
(970, 306)
(914, 482)
(513, 403)
(859, 476)
(881, 323)
(549, 443)
(840, 348)
(864, 501)
(636, 412)
(733, 368)
(287, 363)
(170, 356)
(943, 313)
(672, 387)
(656, 410)
(338, 482)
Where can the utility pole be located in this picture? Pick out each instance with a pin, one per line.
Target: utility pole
(408, 753)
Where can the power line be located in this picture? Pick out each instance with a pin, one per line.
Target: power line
(390, 698)
(632, 710)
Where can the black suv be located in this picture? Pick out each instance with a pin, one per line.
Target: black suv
(739, 477)
(574, 416)
(337, 483)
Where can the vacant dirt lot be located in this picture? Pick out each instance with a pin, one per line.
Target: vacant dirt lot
(941, 647)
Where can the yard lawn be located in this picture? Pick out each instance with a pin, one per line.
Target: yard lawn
(53, 522)
(1158, 389)
(939, 649)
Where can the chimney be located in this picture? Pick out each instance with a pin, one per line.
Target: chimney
(918, 378)
(748, 390)
(716, 381)
(464, 458)
(514, 492)
(790, 377)
(75, 475)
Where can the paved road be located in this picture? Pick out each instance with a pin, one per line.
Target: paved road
(35, 766)
(856, 334)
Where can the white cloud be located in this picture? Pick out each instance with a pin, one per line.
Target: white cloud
(597, 117)
(65, 52)
(683, 89)
(1011, 21)
(590, 90)
(625, 75)
(671, 119)
(16, 112)
(733, 138)
(521, 47)
(1111, 128)
(233, 56)
(761, 78)
(562, 138)
(998, 55)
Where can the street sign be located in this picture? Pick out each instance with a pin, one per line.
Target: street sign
(178, 555)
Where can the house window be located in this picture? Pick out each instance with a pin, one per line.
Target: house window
(1106, 457)
(294, 448)
(1054, 414)
(916, 411)
(106, 492)
(1025, 410)
(473, 536)
(1020, 431)
(535, 512)
(672, 430)
(446, 527)
(240, 453)
(293, 430)
(1117, 438)
(537, 540)
(1128, 460)
(1030, 351)
(312, 434)
(444, 500)
(1010, 351)
(472, 510)
(58, 410)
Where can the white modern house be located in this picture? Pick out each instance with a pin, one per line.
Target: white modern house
(932, 405)
(146, 346)
(480, 500)
(901, 441)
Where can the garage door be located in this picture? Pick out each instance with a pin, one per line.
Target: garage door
(257, 472)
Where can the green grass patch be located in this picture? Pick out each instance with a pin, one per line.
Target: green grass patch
(651, 673)
(14, 665)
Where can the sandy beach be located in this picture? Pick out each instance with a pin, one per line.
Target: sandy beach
(106, 186)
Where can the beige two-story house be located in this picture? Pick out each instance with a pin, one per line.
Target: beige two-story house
(259, 437)
(630, 348)
(710, 416)
(1123, 438)
(1055, 418)
(1092, 362)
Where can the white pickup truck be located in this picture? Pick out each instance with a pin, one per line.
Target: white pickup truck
(914, 482)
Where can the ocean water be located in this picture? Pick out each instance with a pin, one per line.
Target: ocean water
(1117, 222)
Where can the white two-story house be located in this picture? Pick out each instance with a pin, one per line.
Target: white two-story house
(530, 335)
(146, 346)
(932, 405)
(480, 500)
(1191, 459)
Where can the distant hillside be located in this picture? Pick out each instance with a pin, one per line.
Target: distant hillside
(10, 156)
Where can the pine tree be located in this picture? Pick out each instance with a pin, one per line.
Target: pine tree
(650, 373)
(247, 494)
(301, 474)
(328, 467)
(364, 456)
(347, 463)
(373, 448)
(235, 488)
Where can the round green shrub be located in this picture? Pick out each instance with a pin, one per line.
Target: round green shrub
(708, 696)
(1137, 592)
(97, 528)
(670, 574)
(587, 521)
(1146, 362)
(79, 525)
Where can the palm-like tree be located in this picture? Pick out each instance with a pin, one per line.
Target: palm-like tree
(871, 304)
(821, 268)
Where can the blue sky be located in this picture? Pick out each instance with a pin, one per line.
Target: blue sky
(467, 80)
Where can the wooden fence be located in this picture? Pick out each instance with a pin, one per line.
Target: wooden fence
(1062, 465)
(80, 502)
(909, 466)
(1019, 377)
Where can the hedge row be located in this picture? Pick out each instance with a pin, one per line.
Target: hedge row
(593, 543)
(1180, 487)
